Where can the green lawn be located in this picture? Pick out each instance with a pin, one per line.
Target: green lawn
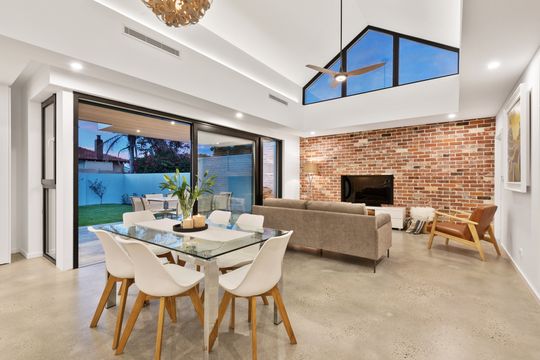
(101, 214)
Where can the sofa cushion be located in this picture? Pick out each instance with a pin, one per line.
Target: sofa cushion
(285, 203)
(338, 207)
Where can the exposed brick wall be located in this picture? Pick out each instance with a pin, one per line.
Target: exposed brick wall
(444, 165)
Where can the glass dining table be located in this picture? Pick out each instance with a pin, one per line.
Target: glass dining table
(200, 248)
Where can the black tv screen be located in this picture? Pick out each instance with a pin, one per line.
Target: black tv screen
(372, 190)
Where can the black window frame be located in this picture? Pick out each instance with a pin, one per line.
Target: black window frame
(395, 70)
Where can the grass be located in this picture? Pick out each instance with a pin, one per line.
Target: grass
(101, 214)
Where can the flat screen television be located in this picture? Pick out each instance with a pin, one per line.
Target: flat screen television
(372, 190)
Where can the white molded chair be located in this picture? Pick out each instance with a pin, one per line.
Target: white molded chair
(236, 259)
(220, 217)
(231, 261)
(120, 269)
(164, 282)
(137, 203)
(250, 221)
(250, 281)
(132, 218)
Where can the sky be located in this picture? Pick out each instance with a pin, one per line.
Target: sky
(87, 135)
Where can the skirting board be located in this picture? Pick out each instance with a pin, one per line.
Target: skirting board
(32, 255)
(531, 288)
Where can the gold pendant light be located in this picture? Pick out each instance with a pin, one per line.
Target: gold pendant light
(179, 12)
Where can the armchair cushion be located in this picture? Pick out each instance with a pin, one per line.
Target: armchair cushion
(458, 230)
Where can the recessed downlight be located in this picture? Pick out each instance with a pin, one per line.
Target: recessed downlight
(76, 66)
(138, 131)
(312, 133)
(451, 116)
(492, 65)
(239, 115)
(173, 123)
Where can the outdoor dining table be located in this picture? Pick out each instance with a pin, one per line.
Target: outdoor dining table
(198, 248)
(165, 200)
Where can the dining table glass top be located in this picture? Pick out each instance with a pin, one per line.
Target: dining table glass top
(207, 244)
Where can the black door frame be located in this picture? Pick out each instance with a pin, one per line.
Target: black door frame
(196, 125)
(46, 183)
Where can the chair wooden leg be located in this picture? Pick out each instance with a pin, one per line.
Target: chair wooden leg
(493, 240)
(139, 303)
(181, 262)
(120, 315)
(284, 316)
(233, 313)
(103, 300)
(430, 241)
(161, 321)
(477, 243)
(170, 305)
(432, 234)
(253, 312)
(249, 311)
(197, 304)
(265, 300)
(221, 313)
(170, 257)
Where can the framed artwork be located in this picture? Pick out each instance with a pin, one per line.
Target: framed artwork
(516, 140)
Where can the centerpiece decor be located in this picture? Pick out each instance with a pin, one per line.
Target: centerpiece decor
(178, 186)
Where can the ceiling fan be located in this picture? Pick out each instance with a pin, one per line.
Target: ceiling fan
(342, 75)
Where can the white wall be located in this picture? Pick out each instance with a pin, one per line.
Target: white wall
(64, 180)
(5, 171)
(519, 213)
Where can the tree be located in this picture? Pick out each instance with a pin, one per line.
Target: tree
(98, 188)
(162, 156)
(131, 148)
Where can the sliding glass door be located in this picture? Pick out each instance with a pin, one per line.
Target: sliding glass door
(121, 159)
(232, 160)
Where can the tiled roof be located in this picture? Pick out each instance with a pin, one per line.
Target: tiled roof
(87, 154)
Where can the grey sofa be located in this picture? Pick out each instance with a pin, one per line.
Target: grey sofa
(332, 226)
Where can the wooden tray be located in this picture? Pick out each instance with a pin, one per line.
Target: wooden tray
(178, 228)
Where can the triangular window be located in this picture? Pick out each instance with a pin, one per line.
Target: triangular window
(407, 60)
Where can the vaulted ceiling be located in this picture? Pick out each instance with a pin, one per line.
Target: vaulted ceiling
(244, 50)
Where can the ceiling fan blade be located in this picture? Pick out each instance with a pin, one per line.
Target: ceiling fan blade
(322, 70)
(364, 69)
(334, 83)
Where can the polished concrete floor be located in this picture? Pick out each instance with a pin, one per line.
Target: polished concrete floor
(438, 304)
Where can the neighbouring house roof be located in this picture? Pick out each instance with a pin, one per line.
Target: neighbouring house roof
(87, 154)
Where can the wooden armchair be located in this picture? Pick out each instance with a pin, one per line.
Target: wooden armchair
(466, 228)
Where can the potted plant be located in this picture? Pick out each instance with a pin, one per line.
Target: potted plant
(178, 186)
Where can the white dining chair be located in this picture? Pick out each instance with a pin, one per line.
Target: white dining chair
(236, 259)
(250, 221)
(132, 218)
(165, 282)
(137, 203)
(250, 281)
(120, 269)
(220, 217)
